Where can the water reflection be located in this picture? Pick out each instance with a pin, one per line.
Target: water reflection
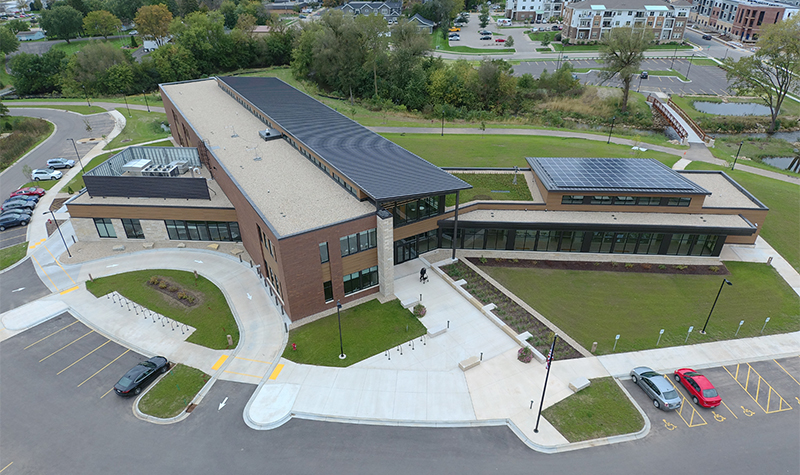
(731, 108)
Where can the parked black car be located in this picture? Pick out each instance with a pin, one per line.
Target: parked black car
(141, 375)
(9, 220)
(18, 204)
(706, 37)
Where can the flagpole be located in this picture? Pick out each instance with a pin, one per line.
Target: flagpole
(548, 361)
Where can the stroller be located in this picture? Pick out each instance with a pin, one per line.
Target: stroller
(423, 275)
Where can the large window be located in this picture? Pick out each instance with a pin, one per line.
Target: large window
(525, 240)
(679, 201)
(416, 210)
(104, 228)
(572, 199)
(358, 242)
(327, 288)
(202, 230)
(323, 252)
(360, 280)
(133, 228)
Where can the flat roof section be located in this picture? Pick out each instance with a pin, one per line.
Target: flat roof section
(289, 191)
(725, 193)
(383, 170)
(611, 175)
(725, 223)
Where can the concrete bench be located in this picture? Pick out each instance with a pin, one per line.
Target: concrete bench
(119, 247)
(436, 331)
(579, 383)
(409, 303)
(148, 245)
(468, 363)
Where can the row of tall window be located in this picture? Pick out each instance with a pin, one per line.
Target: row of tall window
(416, 210)
(625, 200)
(176, 230)
(358, 242)
(360, 280)
(682, 244)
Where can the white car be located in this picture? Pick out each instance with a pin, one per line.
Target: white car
(45, 174)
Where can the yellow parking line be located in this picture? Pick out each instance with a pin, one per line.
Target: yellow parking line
(243, 374)
(275, 373)
(9, 464)
(68, 344)
(45, 273)
(219, 362)
(729, 409)
(685, 403)
(104, 367)
(784, 370)
(84, 356)
(48, 336)
(106, 394)
(255, 361)
(69, 290)
(755, 398)
(59, 264)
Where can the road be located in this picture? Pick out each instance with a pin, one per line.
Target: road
(58, 417)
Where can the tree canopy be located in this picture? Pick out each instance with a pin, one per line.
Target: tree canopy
(8, 41)
(773, 70)
(153, 22)
(63, 22)
(101, 23)
(621, 53)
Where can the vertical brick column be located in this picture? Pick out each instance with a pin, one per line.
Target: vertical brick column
(385, 233)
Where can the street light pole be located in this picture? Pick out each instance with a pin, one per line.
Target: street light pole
(613, 119)
(59, 232)
(737, 155)
(339, 317)
(79, 155)
(442, 122)
(724, 281)
(145, 100)
(673, 55)
(87, 96)
(126, 104)
(690, 67)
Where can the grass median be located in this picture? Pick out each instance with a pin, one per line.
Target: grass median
(140, 127)
(12, 254)
(367, 330)
(209, 315)
(601, 410)
(173, 392)
(595, 306)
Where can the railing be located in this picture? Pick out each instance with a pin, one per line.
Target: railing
(703, 136)
(667, 114)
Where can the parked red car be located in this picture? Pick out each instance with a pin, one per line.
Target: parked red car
(700, 388)
(500, 40)
(32, 190)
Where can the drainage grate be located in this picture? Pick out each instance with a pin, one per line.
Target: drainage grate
(190, 408)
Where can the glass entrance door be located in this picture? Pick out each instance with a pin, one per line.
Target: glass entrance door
(405, 250)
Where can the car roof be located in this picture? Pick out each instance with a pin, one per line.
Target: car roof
(702, 381)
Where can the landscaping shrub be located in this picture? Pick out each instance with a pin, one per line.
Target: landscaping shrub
(525, 354)
(420, 310)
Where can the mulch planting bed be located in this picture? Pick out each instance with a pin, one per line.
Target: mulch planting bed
(509, 312)
(603, 266)
(175, 292)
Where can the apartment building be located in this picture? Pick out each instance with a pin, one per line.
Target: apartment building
(590, 20)
(742, 19)
(536, 11)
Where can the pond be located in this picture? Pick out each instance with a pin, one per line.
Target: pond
(781, 162)
(731, 108)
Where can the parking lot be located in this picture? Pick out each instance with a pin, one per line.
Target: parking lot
(755, 396)
(65, 355)
(703, 80)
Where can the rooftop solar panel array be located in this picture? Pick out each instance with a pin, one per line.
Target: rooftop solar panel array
(611, 174)
(383, 170)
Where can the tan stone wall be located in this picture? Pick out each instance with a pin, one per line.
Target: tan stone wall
(84, 229)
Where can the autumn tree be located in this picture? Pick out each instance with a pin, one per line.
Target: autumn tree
(774, 70)
(621, 53)
(153, 22)
(101, 23)
(63, 22)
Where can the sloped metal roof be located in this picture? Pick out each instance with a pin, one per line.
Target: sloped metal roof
(382, 169)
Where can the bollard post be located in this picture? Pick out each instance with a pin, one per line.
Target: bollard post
(91, 278)
(195, 275)
(594, 346)
(251, 263)
(286, 327)
(136, 310)
(230, 341)
(240, 258)
(481, 356)
(448, 324)
(163, 323)
(531, 405)
(128, 304)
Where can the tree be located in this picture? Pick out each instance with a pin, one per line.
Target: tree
(203, 34)
(125, 10)
(484, 17)
(8, 41)
(101, 68)
(406, 75)
(546, 39)
(3, 110)
(37, 6)
(35, 74)
(63, 22)
(373, 29)
(509, 42)
(175, 63)
(153, 23)
(773, 70)
(621, 53)
(16, 26)
(101, 23)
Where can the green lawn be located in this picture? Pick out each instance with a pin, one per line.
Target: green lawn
(173, 392)
(84, 110)
(595, 306)
(46, 184)
(367, 330)
(601, 410)
(441, 44)
(211, 316)
(75, 46)
(781, 228)
(163, 143)
(510, 150)
(755, 149)
(492, 186)
(12, 254)
(142, 127)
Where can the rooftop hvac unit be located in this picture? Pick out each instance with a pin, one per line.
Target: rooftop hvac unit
(182, 166)
(269, 134)
(136, 167)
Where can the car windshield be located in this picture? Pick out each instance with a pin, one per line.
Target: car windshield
(671, 394)
(650, 374)
(691, 373)
(148, 364)
(710, 393)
